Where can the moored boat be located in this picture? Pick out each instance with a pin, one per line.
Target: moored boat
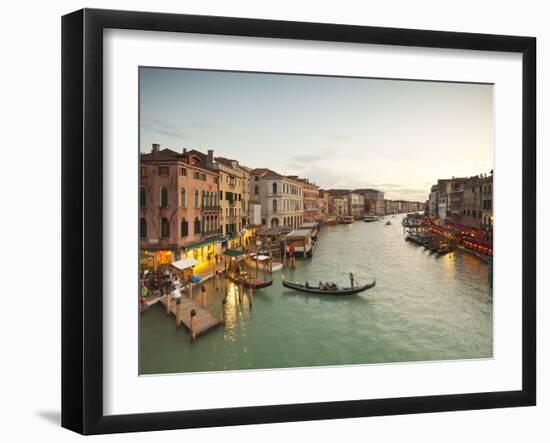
(247, 281)
(263, 262)
(370, 218)
(329, 290)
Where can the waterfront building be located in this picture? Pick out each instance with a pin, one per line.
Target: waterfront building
(312, 211)
(280, 198)
(395, 206)
(444, 202)
(374, 201)
(457, 199)
(323, 204)
(356, 205)
(178, 207)
(487, 207)
(472, 203)
(230, 194)
(433, 208)
(338, 202)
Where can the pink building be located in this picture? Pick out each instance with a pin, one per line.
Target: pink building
(178, 205)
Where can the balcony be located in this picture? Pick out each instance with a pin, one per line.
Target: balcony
(210, 207)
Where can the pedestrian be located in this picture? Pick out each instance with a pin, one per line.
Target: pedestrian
(351, 279)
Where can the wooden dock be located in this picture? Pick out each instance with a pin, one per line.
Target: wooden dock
(205, 320)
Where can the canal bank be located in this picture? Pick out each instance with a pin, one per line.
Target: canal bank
(423, 308)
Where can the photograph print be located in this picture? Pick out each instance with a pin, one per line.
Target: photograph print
(294, 221)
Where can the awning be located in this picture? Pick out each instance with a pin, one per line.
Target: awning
(203, 243)
(233, 252)
(184, 263)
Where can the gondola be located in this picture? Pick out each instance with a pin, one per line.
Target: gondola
(241, 279)
(335, 291)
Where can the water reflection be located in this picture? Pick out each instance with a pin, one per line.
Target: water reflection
(423, 307)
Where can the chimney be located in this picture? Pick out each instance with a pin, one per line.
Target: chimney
(184, 151)
(156, 148)
(210, 158)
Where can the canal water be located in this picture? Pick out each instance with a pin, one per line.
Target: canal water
(423, 307)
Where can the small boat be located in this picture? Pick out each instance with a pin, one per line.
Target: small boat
(370, 218)
(388, 223)
(262, 261)
(328, 291)
(245, 279)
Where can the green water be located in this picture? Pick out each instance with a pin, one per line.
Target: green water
(423, 307)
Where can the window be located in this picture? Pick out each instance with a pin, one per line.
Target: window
(183, 198)
(274, 206)
(255, 179)
(221, 195)
(183, 172)
(274, 188)
(163, 197)
(163, 171)
(184, 228)
(197, 226)
(196, 199)
(142, 197)
(164, 228)
(143, 171)
(256, 190)
(196, 175)
(142, 228)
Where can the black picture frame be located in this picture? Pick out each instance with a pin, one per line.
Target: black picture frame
(82, 215)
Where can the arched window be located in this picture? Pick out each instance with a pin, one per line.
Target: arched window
(274, 188)
(255, 189)
(184, 228)
(164, 228)
(142, 228)
(196, 199)
(203, 199)
(183, 198)
(142, 197)
(163, 197)
(274, 206)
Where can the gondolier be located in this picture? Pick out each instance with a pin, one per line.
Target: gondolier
(351, 279)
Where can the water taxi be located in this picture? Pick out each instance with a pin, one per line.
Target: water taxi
(370, 218)
(345, 219)
(300, 242)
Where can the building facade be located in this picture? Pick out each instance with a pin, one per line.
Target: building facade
(374, 201)
(444, 202)
(178, 206)
(356, 205)
(280, 198)
(457, 200)
(487, 207)
(312, 209)
(472, 203)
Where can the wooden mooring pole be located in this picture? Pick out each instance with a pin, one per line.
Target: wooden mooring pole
(193, 325)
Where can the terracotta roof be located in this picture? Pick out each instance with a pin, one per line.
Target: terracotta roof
(163, 154)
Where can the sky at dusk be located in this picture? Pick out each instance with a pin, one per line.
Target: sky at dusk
(393, 135)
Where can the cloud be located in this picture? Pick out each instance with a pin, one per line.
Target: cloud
(163, 128)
